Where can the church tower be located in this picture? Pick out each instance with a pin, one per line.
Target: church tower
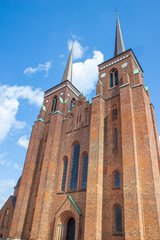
(92, 169)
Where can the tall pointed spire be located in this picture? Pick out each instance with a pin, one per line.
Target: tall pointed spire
(68, 71)
(119, 44)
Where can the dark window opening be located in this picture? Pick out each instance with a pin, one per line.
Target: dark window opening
(85, 170)
(111, 80)
(65, 164)
(116, 78)
(118, 219)
(71, 229)
(54, 104)
(115, 137)
(114, 112)
(72, 103)
(74, 168)
(117, 180)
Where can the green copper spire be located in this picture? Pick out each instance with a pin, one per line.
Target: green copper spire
(119, 44)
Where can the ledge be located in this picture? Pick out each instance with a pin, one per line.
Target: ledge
(124, 85)
(99, 95)
(57, 112)
(117, 234)
(40, 119)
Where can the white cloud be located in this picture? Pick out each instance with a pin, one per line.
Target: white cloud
(9, 98)
(16, 166)
(78, 50)
(75, 37)
(2, 161)
(6, 187)
(61, 55)
(41, 67)
(85, 74)
(23, 141)
(6, 184)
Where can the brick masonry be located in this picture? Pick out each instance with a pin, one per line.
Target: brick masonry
(43, 210)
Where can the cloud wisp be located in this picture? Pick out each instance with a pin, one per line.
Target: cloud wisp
(10, 99)
(6, 185)
(78, 50)
(23, 141)
(85, 74)
(41, 67)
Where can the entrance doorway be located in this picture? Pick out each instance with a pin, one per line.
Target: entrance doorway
(71, 229)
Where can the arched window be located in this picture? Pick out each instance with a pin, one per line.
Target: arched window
(117, 179)
(72, 103)
(116, 77)
(114, 112)
(4, 221)
(65, 164)
(111, 80)
(71, 229)
(118, 219)
(74, 168)
(54, 104)
(85, 170)
(70, 123)
(115, 138)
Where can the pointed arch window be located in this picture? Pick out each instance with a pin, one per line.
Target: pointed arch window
(54, 104)
(116, 179)
(114, 112)
(71, 229)
(5, 217)
(74, 167)
(65, 164)
(116, 77)
(115, 138)
(118, 219)
(85, 170)
(111, 80)
(72, 103)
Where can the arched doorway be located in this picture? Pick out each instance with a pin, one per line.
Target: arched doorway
(71, 229)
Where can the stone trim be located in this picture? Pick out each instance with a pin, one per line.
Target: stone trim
(40, 119)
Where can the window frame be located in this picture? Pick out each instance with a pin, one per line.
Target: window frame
(82, 175)
(64, 174)
(74, 174)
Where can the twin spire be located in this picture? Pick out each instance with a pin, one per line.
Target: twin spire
(119, 44)
(119, 48)
(68, 71)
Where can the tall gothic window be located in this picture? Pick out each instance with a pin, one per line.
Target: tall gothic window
(118, 219)
(111, 80)
(54, 104)
(115, 138)
(117, 179)
(65, 163)
(116, 77)
(85, 169)
(74, 168)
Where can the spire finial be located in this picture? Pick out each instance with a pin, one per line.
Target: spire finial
(119, 44)
(68, 70)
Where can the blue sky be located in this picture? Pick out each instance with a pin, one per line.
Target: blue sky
(35, 37)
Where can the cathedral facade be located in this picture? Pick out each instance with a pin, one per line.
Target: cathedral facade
(92, 169)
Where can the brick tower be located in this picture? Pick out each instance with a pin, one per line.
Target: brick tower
(92, 170)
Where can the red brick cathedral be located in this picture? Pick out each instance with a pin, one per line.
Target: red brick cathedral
(92, 170)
